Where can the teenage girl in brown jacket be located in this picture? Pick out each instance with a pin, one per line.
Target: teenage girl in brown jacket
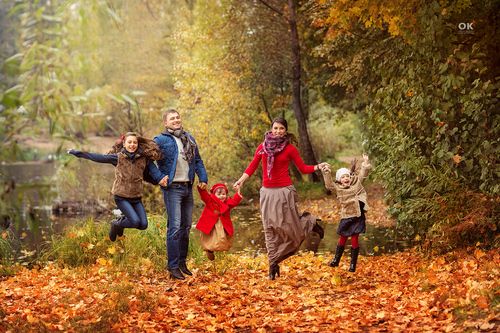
(131, 158)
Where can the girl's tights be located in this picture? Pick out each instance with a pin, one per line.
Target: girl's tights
(354, 241)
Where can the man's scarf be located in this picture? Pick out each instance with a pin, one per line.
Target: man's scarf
(188, 145)
(272, 146)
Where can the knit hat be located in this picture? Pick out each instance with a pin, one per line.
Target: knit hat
(341, 172)
(218, 185)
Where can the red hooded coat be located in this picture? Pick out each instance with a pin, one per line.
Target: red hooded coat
(215, 210)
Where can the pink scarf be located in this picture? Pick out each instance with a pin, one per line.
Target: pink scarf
(272, 146)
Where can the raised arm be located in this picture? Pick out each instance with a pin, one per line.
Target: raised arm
(235, 200)
(365, 168)
(327, 176)
(204, 195)
(99, 158)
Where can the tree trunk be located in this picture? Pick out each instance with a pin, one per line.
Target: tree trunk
(305, 145)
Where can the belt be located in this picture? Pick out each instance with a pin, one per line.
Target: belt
(182, 183)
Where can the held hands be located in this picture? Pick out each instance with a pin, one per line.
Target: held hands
(239, 183)
(202, 186)
(164, 181)
(323, 167)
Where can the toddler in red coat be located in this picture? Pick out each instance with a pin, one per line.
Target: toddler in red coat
(215, 220)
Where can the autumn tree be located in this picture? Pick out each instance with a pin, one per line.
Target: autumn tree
(288, 12)
(429, 87)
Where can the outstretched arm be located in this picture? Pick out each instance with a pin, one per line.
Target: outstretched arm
(99, 158)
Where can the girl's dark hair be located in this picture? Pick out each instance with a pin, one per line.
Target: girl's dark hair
(280, 120)
(130, 134)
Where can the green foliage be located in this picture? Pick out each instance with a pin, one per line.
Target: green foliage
(430, 120)
(139, 250)
(333, 132)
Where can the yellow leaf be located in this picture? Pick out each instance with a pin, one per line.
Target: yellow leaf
(102, 261)
(90, 246)
(111, 250)
(23, 235)
(417, 238)
(31, 319)
(336, 280)
(479, 254)
(375, 249)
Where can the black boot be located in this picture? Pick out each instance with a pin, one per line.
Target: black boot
(354, 259)
(184, 269)
(119, 228)
(176, 274)
(113, 231)
(338, 254)
(319, 229)
(274, 270)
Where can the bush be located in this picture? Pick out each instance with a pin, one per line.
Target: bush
(431, 126)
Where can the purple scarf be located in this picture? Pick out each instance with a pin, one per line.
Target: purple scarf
(272, 146)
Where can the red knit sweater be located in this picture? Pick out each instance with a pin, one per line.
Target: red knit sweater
(280, 176)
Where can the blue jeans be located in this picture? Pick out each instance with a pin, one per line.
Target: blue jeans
(134, 212)
(179, 204)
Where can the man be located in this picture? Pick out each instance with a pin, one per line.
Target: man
(181, 160)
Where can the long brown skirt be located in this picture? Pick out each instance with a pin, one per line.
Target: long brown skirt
(284, 229)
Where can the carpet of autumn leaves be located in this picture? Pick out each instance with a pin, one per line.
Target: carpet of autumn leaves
(402, 292)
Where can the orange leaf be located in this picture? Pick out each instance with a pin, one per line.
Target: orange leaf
(457, 158)
(482, 302)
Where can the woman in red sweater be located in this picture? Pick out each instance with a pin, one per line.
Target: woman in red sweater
(284, 228)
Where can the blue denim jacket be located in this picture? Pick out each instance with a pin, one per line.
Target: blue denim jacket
(167, 165)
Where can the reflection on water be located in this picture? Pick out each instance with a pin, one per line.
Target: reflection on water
(30, 206)
(249, 236)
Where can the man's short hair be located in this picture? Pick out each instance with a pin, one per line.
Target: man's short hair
(169, 111)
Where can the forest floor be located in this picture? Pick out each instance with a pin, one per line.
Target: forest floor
(400, 292)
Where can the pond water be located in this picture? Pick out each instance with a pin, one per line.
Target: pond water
(29, 194)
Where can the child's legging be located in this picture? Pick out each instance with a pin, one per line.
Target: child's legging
(354, 241)
(134, 212)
